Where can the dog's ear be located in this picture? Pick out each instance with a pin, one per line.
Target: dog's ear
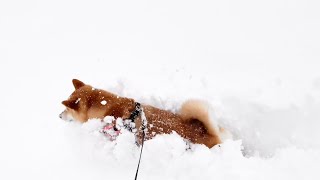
(77, 84)
(72, 104)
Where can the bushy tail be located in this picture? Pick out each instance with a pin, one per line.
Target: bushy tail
(196, 109)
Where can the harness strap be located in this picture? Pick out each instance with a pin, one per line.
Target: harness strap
(129, 123)
(136, 112)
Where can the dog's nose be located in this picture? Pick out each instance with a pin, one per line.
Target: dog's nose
(60, 115)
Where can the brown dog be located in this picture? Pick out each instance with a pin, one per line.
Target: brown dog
(192, 122)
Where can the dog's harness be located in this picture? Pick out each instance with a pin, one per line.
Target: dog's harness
(130, 122)
(136, 112)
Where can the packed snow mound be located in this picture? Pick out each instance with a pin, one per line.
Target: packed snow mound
(169, 157)
(264, 129)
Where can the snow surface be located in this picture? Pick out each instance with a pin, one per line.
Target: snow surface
(256, 62)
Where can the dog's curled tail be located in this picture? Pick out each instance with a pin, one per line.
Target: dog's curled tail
(199, 110)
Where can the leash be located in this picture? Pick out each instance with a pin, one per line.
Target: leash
(143, 128)
(131, 126)
(143, 134)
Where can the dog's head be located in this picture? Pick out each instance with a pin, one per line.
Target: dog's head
(75, 104)
(87, 102)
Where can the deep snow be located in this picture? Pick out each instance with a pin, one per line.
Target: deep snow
(256, 63)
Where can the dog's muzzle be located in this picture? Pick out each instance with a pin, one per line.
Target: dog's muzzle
(65, 116)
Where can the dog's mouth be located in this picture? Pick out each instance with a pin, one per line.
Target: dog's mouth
(65, 116)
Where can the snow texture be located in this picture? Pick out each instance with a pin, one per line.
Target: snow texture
(256, 63)
(104, 102)
(78, 100)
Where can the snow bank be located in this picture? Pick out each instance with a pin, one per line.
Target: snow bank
(86, 153)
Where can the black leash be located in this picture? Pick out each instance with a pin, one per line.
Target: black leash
(143, 134)
(139, 111)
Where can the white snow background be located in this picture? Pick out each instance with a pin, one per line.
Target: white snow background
(256, 62)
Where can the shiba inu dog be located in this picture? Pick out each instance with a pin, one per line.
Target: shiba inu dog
(192, 122)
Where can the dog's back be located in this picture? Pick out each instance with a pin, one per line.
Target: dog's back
(192, 122)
